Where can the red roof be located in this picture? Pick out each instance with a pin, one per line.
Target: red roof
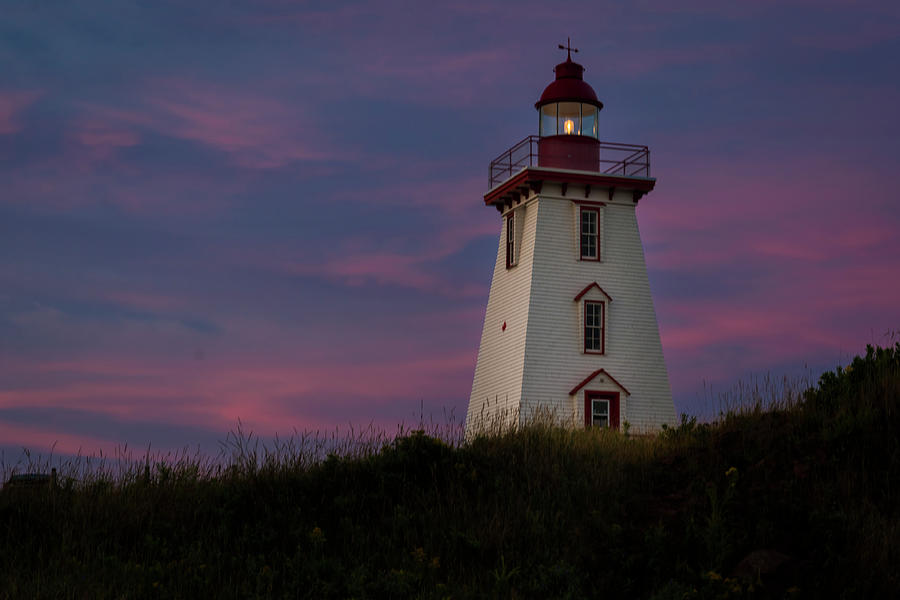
(588, 288)
(569, 86)
(588, 379)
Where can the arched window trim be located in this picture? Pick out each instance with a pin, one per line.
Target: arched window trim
(589, 307)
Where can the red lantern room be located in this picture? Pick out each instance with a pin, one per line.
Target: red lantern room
(568, 149)
(568, 120)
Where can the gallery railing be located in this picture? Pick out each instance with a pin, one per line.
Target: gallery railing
(630, 160)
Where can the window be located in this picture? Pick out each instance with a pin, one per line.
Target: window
(568, 118)
(593, 327)
(590, 234)
(510, 240)
(589, 120)
(601, 409)
(591, 314)
(599, 413)
(548, 119)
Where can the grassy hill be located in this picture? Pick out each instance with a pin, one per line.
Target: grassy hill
(796, 500)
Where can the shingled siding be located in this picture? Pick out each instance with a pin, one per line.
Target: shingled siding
(497, 385)
(554, 360)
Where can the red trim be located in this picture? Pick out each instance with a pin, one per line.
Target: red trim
(588, 288)
(588, 202)
(581, 211)
(602, 327)
(531, 175)
(613, 398)
(568, 90)
(588, 379)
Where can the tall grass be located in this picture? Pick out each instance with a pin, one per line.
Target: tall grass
(790, 496)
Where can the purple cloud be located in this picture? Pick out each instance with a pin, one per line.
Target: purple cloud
(12, 103)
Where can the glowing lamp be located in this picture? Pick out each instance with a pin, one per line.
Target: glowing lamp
(569, 126)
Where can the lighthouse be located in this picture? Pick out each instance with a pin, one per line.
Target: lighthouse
(570, 330)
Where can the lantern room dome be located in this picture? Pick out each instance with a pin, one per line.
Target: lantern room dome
(569, 107)
(569, 86)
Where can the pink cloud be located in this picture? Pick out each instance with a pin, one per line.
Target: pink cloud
(717, 342)
(255, 130)
(99, 136)
(454, 216)
(360, 261)
(876, 25)
(425, 63)
(460, 78)
(383, 268)
(270, 395)
(143, 300)
(784, 316)
(639, 62)
(12, 103)
(184, 193)
(706, 324)
(388, 269)
(101, 139)
(772, 213)
(41, 441)
(291, 13)
(809, 271)
(167, 196)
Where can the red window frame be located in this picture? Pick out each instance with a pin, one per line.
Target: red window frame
(584, 332)
(511, 239)
(581, 234)
(612, 397)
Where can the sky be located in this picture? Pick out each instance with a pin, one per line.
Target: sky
(272, 211)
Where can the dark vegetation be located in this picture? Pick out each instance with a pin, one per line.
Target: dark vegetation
(797, 499)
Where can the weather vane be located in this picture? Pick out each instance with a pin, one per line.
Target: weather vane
(568, 48)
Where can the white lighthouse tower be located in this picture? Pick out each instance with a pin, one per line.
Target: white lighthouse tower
(570, 330)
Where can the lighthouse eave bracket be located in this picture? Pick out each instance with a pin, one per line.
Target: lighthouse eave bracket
(532, 178)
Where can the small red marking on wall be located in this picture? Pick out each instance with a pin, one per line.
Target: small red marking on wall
(503, 328)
